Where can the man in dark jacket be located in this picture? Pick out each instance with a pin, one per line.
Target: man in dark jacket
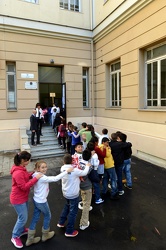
(34, 129)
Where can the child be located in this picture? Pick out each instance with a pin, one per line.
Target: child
(75, 138)
(95, 163)
(104, 134)
(109, 172)
(62, 134)
(86, 193)
(117, 149)
(41, 190)
(101, 155)
(21, 183)
(70, 189)
(127, 164)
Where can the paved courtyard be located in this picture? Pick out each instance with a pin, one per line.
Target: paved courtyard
(135, 222)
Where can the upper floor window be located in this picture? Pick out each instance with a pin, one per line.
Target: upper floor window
(156, 77)
(73, 5)
(11, 85)
(32, 1)
(115, 85)
(85, 83)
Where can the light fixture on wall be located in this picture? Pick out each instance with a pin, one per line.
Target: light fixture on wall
(52, 61)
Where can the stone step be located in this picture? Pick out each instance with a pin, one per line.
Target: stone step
(49, 146)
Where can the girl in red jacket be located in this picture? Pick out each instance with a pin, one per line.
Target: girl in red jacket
(21, 183)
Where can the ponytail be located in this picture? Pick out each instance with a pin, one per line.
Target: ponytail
(23, 155)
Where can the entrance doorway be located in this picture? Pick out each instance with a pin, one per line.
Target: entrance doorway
(51, 88)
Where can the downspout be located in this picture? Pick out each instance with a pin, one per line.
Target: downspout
(92, 64)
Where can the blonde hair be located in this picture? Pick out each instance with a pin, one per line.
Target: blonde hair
(38, 165)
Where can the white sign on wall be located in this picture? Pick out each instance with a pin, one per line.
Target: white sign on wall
(25, 75)
(30, 85)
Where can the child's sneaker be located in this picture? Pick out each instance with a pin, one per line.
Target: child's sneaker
(129, 187)
(84, 227)
(73, 234)
(60, 225)
(80, 206)
(17, 242)
(25, 232)
(99, 201)
(121, 192)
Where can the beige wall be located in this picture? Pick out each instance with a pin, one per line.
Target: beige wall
(28, 51)
(146, 129)
(48, 11)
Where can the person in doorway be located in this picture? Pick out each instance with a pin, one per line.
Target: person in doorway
(39, 118)
(34, 129)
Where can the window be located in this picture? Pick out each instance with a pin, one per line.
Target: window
(73, 5)
(156, 77)
(11, 85)
(115, 85)
(85, 86)
(31, 1)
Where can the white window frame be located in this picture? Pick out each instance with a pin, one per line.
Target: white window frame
(116, 74)
(85, 79)
(32, 1)
(158, 99)
(66, 4)
(11, 95)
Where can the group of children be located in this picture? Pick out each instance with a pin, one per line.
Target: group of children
(88, 170)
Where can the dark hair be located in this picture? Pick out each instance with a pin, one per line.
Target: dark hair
(67, 159)
(94, 139)
(78, 143)
(86, 155)
(105, 131)
(114, 136)
(123, 137)
(91, 128)
(23, 155)
(104, 139)
(84, 124)
(90, 146)
(38, 104)
(118, 133)
(69, 123)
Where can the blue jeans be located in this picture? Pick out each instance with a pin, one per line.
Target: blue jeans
(69, 212)
(119, 176)
(22, 212)
(110, 174)
(126, 170)
(38, 209)
(96, 186)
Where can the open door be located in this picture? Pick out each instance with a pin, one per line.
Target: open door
(63, 111)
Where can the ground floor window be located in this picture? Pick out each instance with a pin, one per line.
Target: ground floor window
(85, 86)
(156, 76)
(115, 84)
(11, 85)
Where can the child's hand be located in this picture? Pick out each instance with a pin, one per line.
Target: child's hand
(69, 170)
(88, 164)
(92, 152)
(38, 176)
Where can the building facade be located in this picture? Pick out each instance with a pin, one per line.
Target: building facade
(104, 62)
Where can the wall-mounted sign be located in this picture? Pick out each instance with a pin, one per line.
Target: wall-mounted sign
(30, 85)
(52, 94)
(25, 75)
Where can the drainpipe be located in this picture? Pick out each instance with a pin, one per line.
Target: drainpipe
(92, 64)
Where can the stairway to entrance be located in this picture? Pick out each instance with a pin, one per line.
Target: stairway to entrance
(49, 146)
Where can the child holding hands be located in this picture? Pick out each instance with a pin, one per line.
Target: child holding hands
(21, 183)
(41, 191)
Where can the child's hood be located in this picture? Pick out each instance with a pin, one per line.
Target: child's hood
(17, 168)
